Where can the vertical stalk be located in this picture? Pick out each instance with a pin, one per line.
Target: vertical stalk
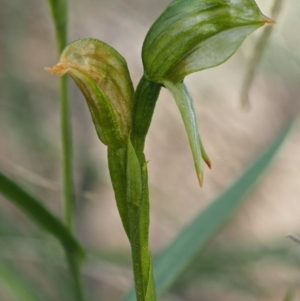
(138, 211)
(72, 259)
(144, 103)
(59, 12)
(143, 107)
(66, 144)
(129, 176)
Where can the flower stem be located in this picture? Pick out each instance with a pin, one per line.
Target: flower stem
(72, 259)
(144, 103)
(129, 176)
(59, 12)
(143, 107)
(139, 236)
(66, 142)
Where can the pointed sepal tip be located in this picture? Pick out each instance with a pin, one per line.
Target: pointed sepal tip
(200, 179)
(268, 20)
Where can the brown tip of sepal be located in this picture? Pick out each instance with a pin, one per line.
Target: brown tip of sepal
(268, 20)
(205, 157)
(200, 179)
(59, 69)
(207, 161)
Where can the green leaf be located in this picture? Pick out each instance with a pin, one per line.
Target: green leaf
(34, 209)
(194, 237)
(192, 240)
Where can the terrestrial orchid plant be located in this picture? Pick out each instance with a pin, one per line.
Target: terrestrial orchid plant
(189, 36)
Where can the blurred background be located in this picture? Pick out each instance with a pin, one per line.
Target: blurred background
(250, 259)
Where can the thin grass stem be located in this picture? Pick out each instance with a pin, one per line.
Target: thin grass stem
(66, 143)
(59, 12)
(72, 259)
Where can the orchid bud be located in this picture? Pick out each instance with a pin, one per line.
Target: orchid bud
(193, 35)
(102, 75)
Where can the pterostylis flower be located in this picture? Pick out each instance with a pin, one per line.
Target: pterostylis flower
(193, 35)
(102, 75)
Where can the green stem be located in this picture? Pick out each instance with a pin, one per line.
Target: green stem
(130, 183)
(66, 142)
(59, 12)
(144, 104)
(67, 171)
(138, 210)
(68, 195)
(139, 258)
(143, 107)
(72, 259)
(129, 176)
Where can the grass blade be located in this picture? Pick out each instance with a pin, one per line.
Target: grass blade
(181, 252)
(177, 256)
(37, 212)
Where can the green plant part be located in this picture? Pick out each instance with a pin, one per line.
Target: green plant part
(39, 214)
(102, 75)
(193, 35)
(190, 36)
